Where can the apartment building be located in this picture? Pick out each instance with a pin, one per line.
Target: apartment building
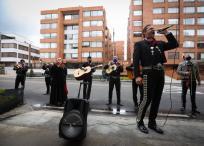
(119, 50)
(13, 48)
(74, 33)
(187, 16)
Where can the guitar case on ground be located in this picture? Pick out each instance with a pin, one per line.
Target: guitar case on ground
(73, 124)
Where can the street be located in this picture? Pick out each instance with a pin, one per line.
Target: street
(35, 88)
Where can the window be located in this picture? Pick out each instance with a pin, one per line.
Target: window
(158, 21)
(201, 56)
(53, 45)
(8, 54)
(158, 10)
(200, 9)
(49, 16)
(158, 1)
(86, 34)
(49, 35)
(53, 35)
(86, 13)
(189, 10)
(9, 45)
(188, 0)
(189, 21)
(20, 47)
(172, 55)
(96, 33)
(86, 23)
(74, 55)
(189, 32)
(200, 21)
(96, 44)
(172, 0)
(71, 16)
(188, 44)
(137, 34)
(172, 21)
(137, 13)
(174, 32)
(96, 23)
(49, 26)
(137, 2)
(173, 10)
(200, 32)
(86, 44)
(137, 23)
(52, 55)
(200, 44)
(85, 54)
(96, 13)
(190, 54)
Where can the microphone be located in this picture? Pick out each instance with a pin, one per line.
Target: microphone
(164, 28)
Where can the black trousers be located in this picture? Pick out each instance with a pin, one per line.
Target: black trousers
(112, 82)
(153, 84)
(192, 86)
(87, 87)
(20, 79)
(134, 92)
(48, 84)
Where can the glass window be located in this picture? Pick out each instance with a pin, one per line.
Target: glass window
(200, 44)
(188, 44)
(86, 13)
(96, 13)
(96, 44)
(158, 21)
(158, 10)
(200, 32)
(137, 13)
(173, 10)
(200, 9)
(200, 20)
(201, 56)
(189, 21)
(86, 34)
(9, 45)
(188, 0)
(172, 0)
(67, 17)
(189, 10)
(158, 1)
(85, 54)
(99, 54)
(137, 2)
(52, 55)
(96, 23)
(172, 21)
(86, 44)
(137, 23)
(189, 32)
(75, 27)
(74, 55)
(45, 26)
(53, 25)
(137, 34)
(54, 16)
(86, 23)
(45, 45)
(67, 55)
(53, 35)
(96, 33)
(53, 45)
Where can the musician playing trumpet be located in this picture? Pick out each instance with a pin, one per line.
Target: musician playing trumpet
(21, 70)
(114, 69)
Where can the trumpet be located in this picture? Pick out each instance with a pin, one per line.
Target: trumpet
(17, 66)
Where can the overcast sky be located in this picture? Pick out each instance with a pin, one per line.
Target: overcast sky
(22, 17)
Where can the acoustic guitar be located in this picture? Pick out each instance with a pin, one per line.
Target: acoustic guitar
(82, 73)
(110, 69)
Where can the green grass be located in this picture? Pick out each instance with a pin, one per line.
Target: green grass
(2, 91)
(5, 99)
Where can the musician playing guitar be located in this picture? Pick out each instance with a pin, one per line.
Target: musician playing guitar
(114, 79)
(88, 79)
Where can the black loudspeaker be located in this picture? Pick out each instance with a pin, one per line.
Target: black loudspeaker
(73, 125)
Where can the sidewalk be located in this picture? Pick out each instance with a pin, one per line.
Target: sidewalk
(39, 127)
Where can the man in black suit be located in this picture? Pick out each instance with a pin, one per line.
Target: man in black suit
(88, 80)
(21, 69)
(150, 54)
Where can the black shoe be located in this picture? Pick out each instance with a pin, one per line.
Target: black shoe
(196, 112)
(182, 109)
(156, 128)
(142, 128)
(119, 104)
(108, 103)
(193, 115)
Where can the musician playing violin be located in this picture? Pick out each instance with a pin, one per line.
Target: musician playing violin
(21, 70)
(88, 80)
(114, 80)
